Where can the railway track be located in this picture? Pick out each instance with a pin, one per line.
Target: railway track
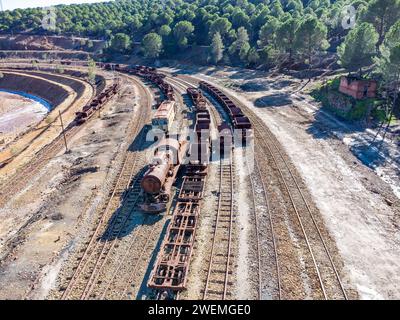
(220, 266)
(18, 181)
(268, 271)
(314, 243)
(114, 220)
(125, 279)
(121, 273)
(218, 281)
(330, 284)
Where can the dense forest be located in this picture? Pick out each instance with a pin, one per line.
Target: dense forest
(241, 32)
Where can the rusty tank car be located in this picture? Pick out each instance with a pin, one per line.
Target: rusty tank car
(158, 180)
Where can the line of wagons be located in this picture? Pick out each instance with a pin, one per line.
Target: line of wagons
(236, 117)
(96, 103)
(148, 73)
(199, 150)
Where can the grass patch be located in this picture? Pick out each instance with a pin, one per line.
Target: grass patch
(49, 119)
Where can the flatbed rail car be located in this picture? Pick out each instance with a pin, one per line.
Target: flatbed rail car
(169, 275)
(170, 272)
(236, 117)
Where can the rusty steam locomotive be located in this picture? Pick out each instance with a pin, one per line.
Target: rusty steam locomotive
(160, 176)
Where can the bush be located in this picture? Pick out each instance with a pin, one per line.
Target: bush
(330, 96)
(378, 114)
(358, 112)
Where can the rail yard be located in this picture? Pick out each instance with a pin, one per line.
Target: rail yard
(146, 183)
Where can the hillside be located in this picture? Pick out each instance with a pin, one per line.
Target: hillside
(244, 32)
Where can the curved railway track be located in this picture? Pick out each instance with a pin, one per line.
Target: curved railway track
(17, 182)
(330, 285)
(115, 218)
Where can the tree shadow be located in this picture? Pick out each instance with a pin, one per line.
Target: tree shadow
(273, 100)
(374, 154)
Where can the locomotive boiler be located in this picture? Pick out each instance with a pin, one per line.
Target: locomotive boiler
(158, 180)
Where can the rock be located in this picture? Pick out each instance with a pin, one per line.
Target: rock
(57, 216)
(389, 202)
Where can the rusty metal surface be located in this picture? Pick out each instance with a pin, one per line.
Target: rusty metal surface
(173, 261)
(192, 188)
(235, 114)
(97, 103)
(171, 268)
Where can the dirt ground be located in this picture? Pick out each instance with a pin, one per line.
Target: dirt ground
(17, 114)
(359, 206)
(356, 191)
(41, 134)
(40, 224)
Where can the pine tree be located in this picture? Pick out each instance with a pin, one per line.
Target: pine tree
(311, 37)
(383, 14)
(358, 48)
(240, 46)
(152, 45)
(217, 48)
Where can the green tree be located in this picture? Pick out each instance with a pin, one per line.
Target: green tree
(182, 31)
(244, 51)
(217, 48)
(286, 34)
(152, 45)
(276, 9)
(383, 14)
(358, 49)
(253, 57)
(240, 19)
(91, 71)
(164, 30)
(388, 63)
(35, 64)
(220, 25)
(60, 69)
(311, 37)
(241, 45)
(294, 5)
(120, 42)
(268, 32)
(392, 38)
(135, 23)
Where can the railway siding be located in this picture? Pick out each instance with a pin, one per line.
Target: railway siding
(87, 277)
(303, 246)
